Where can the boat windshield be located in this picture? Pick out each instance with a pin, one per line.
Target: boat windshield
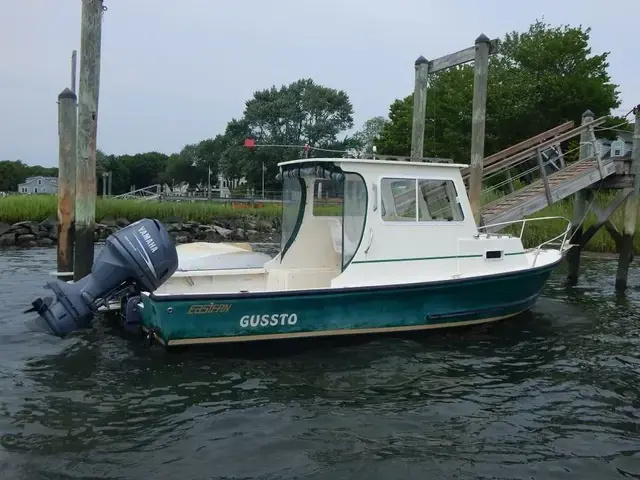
(293, 201)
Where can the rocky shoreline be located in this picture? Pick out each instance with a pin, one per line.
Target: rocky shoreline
(30, 234)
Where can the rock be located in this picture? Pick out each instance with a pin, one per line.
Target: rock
(239, 234)
(44, 242)
(173, 227)
(109, 222)
(122, 222)
(173, 220)
(8, 239)
(263, 226)
(218, 223)
(4, 228)
(223, 232)
(182, 239)
(29, 225)
(25, 239)
(210, 235)
(21, 230)
(53, 234)
(50, 223)
(42, 234)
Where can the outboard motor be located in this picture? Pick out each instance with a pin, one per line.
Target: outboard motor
(139, 257)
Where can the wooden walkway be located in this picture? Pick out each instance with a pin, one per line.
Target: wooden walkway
(545, 151)
(535, 196)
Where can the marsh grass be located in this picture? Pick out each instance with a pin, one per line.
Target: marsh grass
(18, 208)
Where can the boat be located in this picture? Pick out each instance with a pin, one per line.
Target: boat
(400, 252)
(395, 249)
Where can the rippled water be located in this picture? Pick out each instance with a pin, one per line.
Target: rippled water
(551, 394)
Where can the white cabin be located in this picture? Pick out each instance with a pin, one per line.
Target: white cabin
(357, 222)
(403, 222)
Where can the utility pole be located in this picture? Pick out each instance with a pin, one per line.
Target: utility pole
(67, 123)
(419, 108)
(481, 75)
(90, 43)
(263, 169)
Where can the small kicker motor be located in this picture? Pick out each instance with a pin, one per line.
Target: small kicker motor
(139, 257)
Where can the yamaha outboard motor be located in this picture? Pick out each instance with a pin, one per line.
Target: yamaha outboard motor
(139, 257)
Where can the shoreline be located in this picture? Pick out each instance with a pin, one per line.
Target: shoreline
(30, 234)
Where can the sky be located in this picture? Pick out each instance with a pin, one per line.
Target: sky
(175, 72)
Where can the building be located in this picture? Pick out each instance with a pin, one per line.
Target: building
(620, 147)
(225, 186)
(39, 184)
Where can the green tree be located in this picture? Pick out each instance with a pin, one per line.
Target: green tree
(369, 135)
(302, 112)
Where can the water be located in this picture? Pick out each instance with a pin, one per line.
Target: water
(552, 394)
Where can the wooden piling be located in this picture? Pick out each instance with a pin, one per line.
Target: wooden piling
(67, 123)
(579, 210)
(74, 69)
(90, 43)
(481, 75)
(419, 108)
(625, 243)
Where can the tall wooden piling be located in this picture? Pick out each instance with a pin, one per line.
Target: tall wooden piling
(419, 107)
(579, 209)
(74, 69)
(90, 43)
(480, 78)
(625, 242)
(67, 123)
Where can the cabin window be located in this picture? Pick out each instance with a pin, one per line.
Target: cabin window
(327, 198)
(438, 201)
(401, 195)
(293, 200)
(419, 200)
(353, 216)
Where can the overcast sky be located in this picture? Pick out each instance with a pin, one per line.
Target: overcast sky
(174, 72)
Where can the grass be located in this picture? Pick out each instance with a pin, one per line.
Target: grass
(18, 208)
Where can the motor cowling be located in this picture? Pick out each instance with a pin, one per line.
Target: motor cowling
(140, 257)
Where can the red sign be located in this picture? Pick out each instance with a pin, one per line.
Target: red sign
(250, 142)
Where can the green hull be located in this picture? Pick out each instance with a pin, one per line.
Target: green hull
(213, 318)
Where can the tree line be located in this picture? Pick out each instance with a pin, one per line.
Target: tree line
(540, 78)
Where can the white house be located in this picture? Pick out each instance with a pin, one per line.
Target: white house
(620, 147)
(39, 184)
(225, 185)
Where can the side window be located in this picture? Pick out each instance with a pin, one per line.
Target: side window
(398, 199)
(438, 201)
(327, 199)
